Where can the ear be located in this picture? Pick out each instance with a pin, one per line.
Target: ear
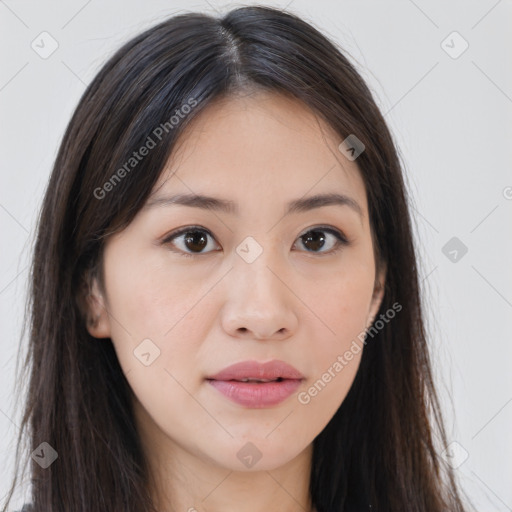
(378, 295)
(97, 317)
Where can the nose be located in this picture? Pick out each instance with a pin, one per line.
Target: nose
(260, 305)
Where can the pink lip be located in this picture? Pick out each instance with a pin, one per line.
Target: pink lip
(255, 370)
(257, 395)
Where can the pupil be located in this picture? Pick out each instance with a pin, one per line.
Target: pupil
(315, 239)
(196, 237)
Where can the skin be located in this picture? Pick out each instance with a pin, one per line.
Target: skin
(296, 302)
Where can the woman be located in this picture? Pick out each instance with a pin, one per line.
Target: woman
(225, 301)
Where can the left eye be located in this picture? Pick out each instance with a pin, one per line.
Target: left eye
(195, 240)
(316, 239)
(191, 238)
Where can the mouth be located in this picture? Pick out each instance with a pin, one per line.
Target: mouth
(257, 385)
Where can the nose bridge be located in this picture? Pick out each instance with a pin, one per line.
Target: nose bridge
(257, 278)
(258, 298)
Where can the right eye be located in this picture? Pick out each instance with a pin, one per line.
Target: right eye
(191, 238)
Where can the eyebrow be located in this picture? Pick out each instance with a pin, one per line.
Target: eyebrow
(223, 205)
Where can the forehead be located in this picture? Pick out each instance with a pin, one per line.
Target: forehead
(261, 142)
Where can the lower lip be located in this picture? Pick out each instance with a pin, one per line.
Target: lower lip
(256, 395)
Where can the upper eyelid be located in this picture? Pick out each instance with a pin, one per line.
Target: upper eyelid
(182, 231)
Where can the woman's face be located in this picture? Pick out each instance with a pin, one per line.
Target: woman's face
(252, 282)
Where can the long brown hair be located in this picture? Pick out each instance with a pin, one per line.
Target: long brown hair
(379, 447)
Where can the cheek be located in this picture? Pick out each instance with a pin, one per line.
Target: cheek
(341, 303)
(155, 310)
(148, 298)
(343, 308)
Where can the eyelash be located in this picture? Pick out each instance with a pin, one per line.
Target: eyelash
(341, 240)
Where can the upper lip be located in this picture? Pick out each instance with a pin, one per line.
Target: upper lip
(255, 370)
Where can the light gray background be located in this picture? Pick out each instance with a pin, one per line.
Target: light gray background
(450, 118)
